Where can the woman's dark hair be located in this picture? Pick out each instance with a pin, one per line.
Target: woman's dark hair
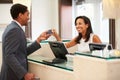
(89, 29)
(16, 9)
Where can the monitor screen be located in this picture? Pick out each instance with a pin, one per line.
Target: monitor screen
(96, 46)
(58, 49)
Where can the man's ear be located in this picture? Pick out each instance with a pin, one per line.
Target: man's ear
(20, 15)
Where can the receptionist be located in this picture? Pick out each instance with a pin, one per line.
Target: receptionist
(85, 35)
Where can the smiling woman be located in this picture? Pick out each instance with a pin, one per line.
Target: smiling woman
(99, 24)
(84, 37)
(92, 9)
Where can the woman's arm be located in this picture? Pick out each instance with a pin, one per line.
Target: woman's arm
(71, 43)
(67, 44)
(96, 39)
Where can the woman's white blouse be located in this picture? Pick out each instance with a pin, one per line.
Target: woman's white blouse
(84, 46)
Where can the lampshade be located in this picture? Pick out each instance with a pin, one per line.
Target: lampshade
(111, 9)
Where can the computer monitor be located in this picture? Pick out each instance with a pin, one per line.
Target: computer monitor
(99, 46)
(58, 49)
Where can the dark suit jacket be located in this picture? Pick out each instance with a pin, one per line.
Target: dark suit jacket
(15, 51)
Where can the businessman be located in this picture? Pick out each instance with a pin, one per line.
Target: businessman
(14, 46)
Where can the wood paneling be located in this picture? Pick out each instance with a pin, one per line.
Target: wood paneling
(65, 19)
(112, 32)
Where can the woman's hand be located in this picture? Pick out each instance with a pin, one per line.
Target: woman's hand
(55, 34)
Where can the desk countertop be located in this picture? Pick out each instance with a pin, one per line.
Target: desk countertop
(39, 59)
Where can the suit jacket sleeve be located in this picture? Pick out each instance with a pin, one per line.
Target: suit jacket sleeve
(33, 47)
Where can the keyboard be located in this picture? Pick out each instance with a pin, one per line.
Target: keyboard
(54, 61)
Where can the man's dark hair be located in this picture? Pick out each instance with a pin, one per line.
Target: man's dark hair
(16, 9)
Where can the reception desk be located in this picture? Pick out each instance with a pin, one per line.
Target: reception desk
(90, 67)
(63, 71)
(46, 71)
(84, 67)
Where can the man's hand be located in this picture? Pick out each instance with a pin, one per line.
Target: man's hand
(43, 36)
(29, 76)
